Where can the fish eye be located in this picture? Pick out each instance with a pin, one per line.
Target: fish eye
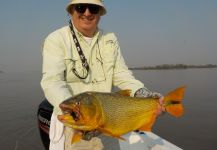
(77, 103)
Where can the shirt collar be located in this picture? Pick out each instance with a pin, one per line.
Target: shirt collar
(80, 35)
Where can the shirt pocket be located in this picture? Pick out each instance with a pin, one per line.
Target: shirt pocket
(109, 59)
(98, 71)
(75, 64)
(108, 66)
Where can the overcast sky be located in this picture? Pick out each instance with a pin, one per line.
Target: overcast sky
(150, 32)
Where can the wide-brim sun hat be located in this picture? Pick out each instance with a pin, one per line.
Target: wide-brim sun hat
(96, 2)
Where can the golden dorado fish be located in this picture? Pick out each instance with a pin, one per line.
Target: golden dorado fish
(115, 114)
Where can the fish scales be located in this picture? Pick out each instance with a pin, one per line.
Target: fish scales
(121, 109)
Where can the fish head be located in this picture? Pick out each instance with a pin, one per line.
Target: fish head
(81, 109)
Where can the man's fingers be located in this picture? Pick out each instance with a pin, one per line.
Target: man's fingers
(160, 108)
(90, 134)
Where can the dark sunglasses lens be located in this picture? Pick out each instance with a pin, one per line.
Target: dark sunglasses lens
(81, 8)
(94, 9)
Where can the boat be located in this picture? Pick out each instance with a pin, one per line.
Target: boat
(134, 140)
(44, 113)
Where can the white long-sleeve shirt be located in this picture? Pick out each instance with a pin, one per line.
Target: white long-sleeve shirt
(107, 66)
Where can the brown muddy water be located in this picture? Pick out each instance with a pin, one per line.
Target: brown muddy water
(20, 95)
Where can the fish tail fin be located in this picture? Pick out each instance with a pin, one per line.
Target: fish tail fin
(173, 102)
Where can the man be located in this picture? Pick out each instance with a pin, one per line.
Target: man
(78, 58)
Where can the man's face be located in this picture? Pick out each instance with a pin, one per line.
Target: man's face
(85, 21)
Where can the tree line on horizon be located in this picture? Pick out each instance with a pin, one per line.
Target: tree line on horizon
(173, 66)
(168, 66)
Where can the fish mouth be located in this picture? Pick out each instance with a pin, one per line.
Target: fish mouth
(68, 110)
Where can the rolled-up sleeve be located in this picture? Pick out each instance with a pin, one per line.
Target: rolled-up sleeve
(53, 80)
(123, 77)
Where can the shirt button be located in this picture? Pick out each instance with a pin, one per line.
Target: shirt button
(94, 80)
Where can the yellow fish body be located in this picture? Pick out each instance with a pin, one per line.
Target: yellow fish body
(115, 114)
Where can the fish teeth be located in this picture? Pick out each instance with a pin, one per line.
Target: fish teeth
(67, 112)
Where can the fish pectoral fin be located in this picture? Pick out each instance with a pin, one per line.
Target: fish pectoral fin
(109, 133)
(148, 125)
(77, 136)
(82, 127)
(126, 92)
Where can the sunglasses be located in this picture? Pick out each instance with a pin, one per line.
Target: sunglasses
(81, 8)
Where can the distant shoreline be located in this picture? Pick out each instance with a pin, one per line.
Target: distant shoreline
(169, 67)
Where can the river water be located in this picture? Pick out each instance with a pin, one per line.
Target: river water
(20, 96)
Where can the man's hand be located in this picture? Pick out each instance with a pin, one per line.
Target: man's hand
(161, 109)
(144, 92)
(90, 134)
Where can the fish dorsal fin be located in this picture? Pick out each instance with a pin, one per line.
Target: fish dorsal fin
(124, 92)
